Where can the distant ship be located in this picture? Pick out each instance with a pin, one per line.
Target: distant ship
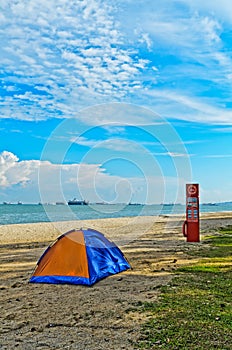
(77, 202)
(134, 203)
(209, 204)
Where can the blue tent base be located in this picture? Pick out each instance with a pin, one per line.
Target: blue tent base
(60, 280)
(69, 279)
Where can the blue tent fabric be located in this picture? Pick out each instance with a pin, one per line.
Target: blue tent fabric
(103, 257)
(55, 279)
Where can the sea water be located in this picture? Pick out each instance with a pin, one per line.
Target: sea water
(31, 213)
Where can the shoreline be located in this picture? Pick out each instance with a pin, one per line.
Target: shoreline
(20, 214)
(112, 227)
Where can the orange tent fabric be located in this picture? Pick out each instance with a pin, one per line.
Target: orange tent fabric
(61, 258)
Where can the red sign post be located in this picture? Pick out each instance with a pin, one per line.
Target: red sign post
(191, 227)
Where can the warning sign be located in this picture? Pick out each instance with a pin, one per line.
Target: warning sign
(192, 189)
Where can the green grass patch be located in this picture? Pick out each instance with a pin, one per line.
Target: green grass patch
(226, 230)
(216, 246)
(221, 241)
(207, 266)
(194, 311)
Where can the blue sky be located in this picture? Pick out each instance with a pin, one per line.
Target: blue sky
(115, 101)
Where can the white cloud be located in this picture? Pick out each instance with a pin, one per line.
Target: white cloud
(83, 141)
(56, 181)
(44, 181)
(62, 56)
(121, 145)
(112, 129)
(115, 144)
(221, 9)
(14, 172)
(192, 34)
(145, 38)
(224, 130)
(118, 114)
(74, 50)
(189, 107)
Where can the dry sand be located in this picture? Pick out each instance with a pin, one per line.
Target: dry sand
(40, 316)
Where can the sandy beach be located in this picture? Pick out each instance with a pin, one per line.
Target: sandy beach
(40, 316)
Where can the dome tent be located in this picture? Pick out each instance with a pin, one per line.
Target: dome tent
(79, 257)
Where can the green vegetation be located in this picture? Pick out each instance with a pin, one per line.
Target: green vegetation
(194, 311)
(227, 229)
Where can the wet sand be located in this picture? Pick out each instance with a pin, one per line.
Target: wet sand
(43, 316)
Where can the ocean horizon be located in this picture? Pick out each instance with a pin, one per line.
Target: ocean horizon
(34, 213)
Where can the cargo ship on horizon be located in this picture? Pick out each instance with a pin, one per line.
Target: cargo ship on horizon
(77, 202)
